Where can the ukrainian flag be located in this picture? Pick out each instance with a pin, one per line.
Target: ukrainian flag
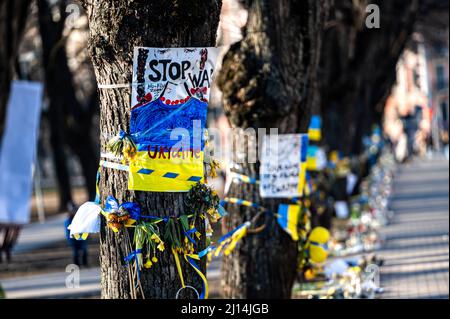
(303, 164)
(288, 217)
(162, 175)
(315, 128)
(312, 158)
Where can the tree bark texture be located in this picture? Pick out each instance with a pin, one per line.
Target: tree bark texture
(116, 27)
(13, 15)
(269, 80)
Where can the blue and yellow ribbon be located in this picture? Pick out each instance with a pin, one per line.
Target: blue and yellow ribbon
(241, 202)
(244, 178)
(190, 259)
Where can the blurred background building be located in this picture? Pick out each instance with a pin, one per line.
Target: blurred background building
(416, 113)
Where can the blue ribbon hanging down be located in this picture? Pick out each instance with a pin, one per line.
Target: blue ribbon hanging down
(134, 255)
(188, 235)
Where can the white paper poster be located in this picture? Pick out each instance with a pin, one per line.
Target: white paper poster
(283, 165)
(18, 150)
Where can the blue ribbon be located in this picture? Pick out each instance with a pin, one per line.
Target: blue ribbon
(188, 235)
(123, 134)
(129, 259)
(205, 252)
(133, 209)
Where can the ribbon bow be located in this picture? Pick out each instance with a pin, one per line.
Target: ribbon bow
(117, 215)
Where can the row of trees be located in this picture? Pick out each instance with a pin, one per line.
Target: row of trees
(69, 117)
(297, 58)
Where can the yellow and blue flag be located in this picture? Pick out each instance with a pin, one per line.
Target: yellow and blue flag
(288, 218)
(315, 128)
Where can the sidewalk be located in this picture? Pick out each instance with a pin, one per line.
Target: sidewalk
(53, 285)
(31, 236)
(416, 253)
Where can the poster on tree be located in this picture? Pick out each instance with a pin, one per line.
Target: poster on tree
(170, 95)
(283, 165)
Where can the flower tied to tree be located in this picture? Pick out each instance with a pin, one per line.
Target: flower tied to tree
(202, 198)
(123, 144)
(118, 216)
(214, 165)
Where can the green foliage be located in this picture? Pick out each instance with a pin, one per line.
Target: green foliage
(201, 198)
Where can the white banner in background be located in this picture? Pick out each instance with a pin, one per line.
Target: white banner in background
(18, 150)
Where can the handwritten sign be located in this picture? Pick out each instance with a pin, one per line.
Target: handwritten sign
(172, 74)
(283, 165)
(171, 90)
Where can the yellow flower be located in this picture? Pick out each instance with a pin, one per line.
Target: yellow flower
(148, 264)
(155, 238)
(161, 246)
(154, 259)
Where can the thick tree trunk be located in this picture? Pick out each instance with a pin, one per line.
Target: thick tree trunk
(13, 15)
(358, 67)
(268, 81)
(70, 125)
(117, 26)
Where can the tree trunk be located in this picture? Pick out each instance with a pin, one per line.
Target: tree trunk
(13, 15)
(116, 27)
(358, 68)
(268, 81)
(70, 125)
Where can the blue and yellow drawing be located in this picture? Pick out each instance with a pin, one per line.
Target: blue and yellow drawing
(170, 146)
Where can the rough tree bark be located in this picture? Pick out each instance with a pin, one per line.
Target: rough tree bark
(268, 81)
(13, 15)
(116, 27)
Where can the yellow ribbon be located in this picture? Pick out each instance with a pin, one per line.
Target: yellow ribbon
(177, 262)
(180, 271)
(202, 276)
(230, 243)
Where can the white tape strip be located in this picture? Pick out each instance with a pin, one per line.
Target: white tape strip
(114, 86)
(110, 156)
(116, 166)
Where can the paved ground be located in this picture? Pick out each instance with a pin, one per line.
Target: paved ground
(31, 236)
(416, 253)
(53, 285)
